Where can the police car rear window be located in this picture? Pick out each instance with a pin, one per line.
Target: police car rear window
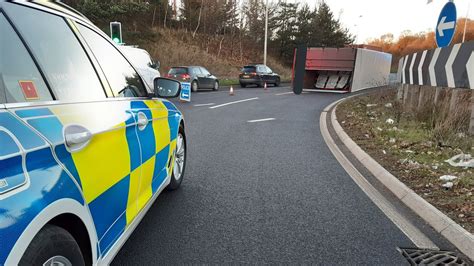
(19, 77)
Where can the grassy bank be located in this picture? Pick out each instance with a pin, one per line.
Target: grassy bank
(178, 48)
(413, 142)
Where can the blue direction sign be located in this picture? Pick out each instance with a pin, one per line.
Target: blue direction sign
(446, 25)
(185, 92)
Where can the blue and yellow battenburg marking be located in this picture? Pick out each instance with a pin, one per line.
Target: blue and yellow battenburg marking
(122, 166)
(28, 166)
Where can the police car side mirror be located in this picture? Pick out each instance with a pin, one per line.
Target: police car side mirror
(166, 88)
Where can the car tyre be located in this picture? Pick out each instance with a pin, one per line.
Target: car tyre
(53, 245)
(179, 164)
(216, 86)
(260, 84)
(242, 85)
(194, 86)
(277, 83)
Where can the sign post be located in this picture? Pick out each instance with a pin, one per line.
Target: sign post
(185, 95)
(446, 25)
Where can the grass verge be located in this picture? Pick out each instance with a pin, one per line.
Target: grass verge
(412, 150)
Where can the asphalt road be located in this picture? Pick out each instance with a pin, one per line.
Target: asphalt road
(264, 192)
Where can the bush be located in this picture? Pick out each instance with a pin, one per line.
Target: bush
(446, 119)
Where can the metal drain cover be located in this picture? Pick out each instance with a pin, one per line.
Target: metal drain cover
(431, 257)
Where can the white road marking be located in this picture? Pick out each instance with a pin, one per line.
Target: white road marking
(203, 104)
(261, 120)
(229, 103)
(413, 233)
(284, 93)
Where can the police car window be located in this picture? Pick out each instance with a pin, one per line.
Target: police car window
(58, 52)
(20, 80)
(123, 79)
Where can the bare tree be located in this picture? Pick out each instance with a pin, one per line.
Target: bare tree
(199, 19)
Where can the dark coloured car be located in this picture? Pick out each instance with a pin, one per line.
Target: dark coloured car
(258, 75)
(198, 76)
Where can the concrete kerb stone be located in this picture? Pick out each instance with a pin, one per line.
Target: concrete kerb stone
(444, 225)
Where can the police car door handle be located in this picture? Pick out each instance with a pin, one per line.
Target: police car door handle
(76, 137)
(142, 121)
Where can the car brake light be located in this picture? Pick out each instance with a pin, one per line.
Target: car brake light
(185, 76)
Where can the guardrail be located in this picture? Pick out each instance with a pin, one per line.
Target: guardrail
(448, 67)
(451, 67)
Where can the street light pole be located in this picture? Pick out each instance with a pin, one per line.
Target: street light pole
(266, 34)
(465, 22)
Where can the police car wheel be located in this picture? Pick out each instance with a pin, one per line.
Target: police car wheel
(53, 246)
(194, 86)
(216, 86)
(179, 166)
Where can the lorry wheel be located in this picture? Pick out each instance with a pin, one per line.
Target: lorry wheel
(53, 245)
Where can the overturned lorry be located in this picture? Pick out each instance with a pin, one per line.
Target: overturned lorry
(341, 69)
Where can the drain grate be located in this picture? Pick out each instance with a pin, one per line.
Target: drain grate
(431, 257)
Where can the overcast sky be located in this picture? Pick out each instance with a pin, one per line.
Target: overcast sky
(394, 16)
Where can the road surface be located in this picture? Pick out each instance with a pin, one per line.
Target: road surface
(264, 191)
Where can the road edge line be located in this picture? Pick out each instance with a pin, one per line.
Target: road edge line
(441, 223)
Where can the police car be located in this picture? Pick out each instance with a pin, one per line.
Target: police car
(85, 148)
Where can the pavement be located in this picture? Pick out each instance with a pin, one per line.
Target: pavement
(263, 192)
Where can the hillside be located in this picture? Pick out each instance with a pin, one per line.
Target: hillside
(222, 36)
(177, 47)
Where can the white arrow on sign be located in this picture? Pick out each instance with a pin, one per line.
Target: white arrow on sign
(443, 25)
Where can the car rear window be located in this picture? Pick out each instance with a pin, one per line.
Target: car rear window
(247, 69)
(178, 71)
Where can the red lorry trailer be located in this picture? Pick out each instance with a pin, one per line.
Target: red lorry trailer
(344, 69)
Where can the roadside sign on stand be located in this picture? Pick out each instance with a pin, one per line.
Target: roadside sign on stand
(185, 92)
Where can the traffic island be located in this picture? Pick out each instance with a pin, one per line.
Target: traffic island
(415, 147)
(399, 140)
